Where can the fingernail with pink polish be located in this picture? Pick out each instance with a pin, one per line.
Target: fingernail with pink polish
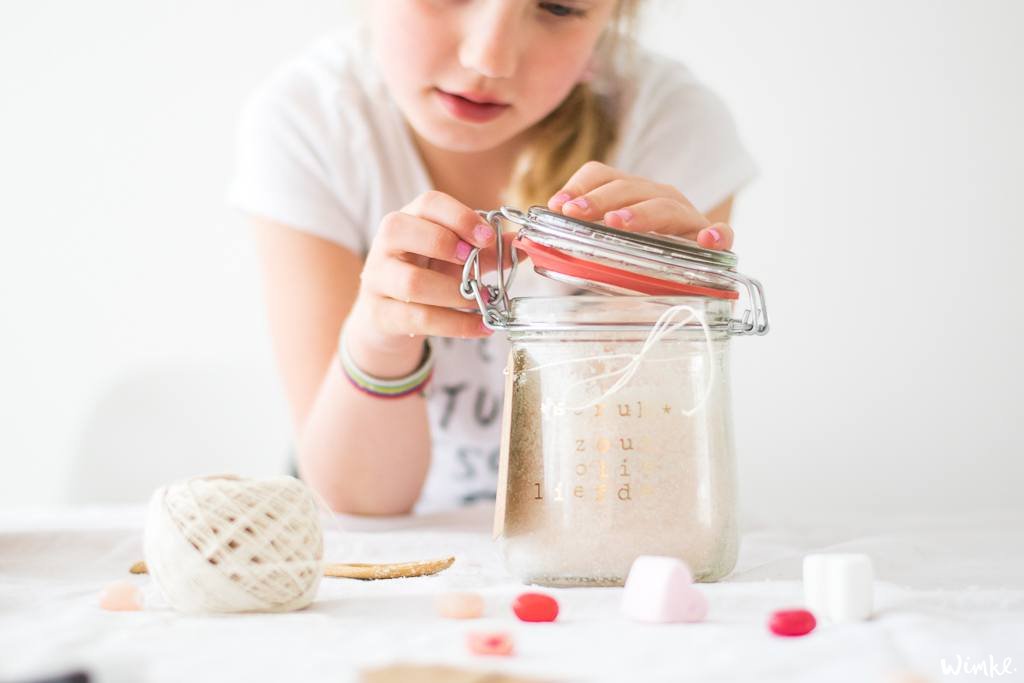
(580, 203)
(462, 250)
(715, 235)
(485, 295)
(560, 198)
(624, 216)
(483, 232)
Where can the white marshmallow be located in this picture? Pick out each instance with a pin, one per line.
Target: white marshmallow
(815, 579)
(839, 586)
(850, 593)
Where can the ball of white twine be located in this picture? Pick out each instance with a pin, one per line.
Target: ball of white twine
(227, 544)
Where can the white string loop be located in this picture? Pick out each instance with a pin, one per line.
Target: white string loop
(665, 325)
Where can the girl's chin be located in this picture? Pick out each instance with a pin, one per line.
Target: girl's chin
(463, 138)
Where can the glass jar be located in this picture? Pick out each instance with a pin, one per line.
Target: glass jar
(617, 436)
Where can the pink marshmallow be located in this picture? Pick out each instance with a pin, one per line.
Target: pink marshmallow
(660, 590)
(695, 607)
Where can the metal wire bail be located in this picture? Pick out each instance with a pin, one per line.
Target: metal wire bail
(755, 318)
(495, 310)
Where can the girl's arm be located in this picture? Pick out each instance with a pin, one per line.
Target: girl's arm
(362, 454)
(367, 455)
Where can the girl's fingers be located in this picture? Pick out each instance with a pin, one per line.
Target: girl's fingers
(716, 236)
(661, 214)
(599, 192)
(590, 175)
(408, 282)
(452, 270)
(446, 211)
(613, 195)
(488, 260)
(489, 256)
(402, 233)
(399, 318)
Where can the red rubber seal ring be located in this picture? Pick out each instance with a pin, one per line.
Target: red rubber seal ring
(560, 262)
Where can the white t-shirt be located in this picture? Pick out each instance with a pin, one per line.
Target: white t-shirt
(322, 147)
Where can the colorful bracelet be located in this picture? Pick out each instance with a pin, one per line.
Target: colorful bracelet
(387, 388)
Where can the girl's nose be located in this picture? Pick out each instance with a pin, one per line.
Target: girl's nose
(489, 43)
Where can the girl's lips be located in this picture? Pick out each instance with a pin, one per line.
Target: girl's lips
(468, 110)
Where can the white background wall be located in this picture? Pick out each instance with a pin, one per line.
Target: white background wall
(885, 226)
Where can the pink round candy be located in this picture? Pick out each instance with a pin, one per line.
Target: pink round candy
(792, 622)
(121, 596)
(490, 643)
(460, 606)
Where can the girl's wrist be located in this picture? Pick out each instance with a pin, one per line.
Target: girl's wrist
(379, 355)
(387, 387)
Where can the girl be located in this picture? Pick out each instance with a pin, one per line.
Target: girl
(361, 165)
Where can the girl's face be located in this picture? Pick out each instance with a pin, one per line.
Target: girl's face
(470, 75)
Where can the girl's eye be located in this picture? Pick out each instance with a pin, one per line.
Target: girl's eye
(560, 10)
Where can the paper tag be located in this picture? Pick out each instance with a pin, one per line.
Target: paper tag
(506, 438)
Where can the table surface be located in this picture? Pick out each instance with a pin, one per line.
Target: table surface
(945, 589)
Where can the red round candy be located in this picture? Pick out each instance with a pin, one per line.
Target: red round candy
(535, 607)
(792, 622)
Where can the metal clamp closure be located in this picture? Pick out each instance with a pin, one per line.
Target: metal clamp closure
(496, 309)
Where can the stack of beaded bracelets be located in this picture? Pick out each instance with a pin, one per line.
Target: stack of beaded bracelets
(387, 388)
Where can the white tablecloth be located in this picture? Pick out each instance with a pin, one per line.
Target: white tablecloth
(945, 589)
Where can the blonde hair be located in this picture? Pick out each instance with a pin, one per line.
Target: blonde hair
(582, 128)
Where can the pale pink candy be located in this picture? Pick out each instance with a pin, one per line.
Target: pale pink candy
(696, 607)
(659, 590)
(460, 605)
(905, 677)
(121, 596)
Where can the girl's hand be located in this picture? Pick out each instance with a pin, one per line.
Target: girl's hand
(410, 280)
(598, 192)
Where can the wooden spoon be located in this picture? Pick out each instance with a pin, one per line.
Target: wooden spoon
(366, 572)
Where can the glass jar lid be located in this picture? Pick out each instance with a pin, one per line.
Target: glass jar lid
(606, 260)
(602, 259)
